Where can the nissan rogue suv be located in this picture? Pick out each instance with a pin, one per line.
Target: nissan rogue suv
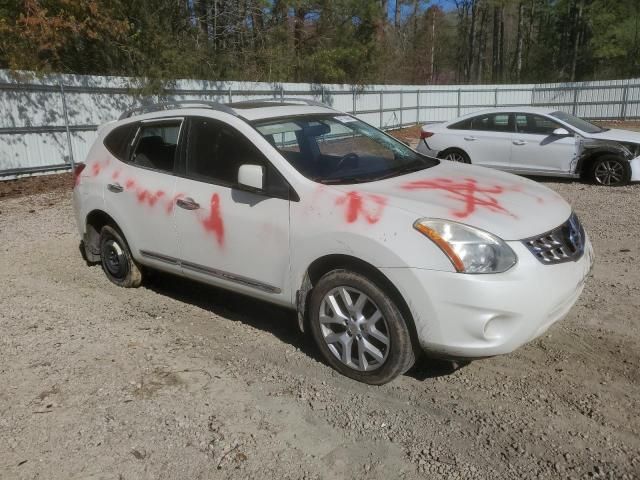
(384, 253)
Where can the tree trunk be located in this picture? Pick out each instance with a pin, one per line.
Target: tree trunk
(519, 42)
(432, 65)
(576, 39)
(470, 50)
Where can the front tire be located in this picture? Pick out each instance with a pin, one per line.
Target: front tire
(359, 329)
(117, 262)
(610, 171)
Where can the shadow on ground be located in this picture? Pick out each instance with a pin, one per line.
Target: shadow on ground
(280, 322)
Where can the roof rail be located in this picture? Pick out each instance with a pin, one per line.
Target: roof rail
(305, 101)
(157, 107)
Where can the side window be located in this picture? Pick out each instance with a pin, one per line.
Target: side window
(156, 146)
(496, 122)
(535, 124)
(119, 139)
(216, 150)
(463, 125)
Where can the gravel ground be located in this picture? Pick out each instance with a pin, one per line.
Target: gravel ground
(177, 380)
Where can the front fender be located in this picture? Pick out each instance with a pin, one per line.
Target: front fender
(387, 241)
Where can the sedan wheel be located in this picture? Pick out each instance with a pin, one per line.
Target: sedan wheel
(611, 171)
(455, 156)
(354, 329)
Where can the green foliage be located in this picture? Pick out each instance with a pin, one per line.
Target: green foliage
(324, 41)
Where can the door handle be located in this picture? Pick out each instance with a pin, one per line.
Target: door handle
(470, 139)
(519, 142)
(115, 187)
(188, 203)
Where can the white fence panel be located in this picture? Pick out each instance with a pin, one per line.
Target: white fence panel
(36, 135)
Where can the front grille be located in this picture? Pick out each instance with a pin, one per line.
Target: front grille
(562, 244)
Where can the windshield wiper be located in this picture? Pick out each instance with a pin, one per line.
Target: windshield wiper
(401, 171)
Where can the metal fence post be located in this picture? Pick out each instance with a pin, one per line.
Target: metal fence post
(230, 96)
(623, 108)
(575, 100)
(495, 97)
(66, 124)
(459, 99)
(353, 101)
(282, 94)
(322, 93)
(417, 106)
(381, 108)
(401, 107)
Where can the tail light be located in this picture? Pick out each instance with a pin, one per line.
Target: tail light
(77, 170)
(424, 134)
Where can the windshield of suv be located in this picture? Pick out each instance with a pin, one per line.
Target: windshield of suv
(340, 149)
(579, 123)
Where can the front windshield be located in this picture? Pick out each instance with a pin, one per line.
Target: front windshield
(578, 123)
(340, 149)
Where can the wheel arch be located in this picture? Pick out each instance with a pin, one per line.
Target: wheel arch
(94, 221)
(444, 152)
(586, 161)
(327, 263)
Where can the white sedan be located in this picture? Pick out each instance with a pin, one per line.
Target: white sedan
(537, 141)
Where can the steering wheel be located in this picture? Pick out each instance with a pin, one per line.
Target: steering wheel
(344, 158)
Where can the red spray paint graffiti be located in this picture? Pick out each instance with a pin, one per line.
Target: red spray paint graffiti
(468, 192)
(145, 196)
(213, 223)
(370, 207)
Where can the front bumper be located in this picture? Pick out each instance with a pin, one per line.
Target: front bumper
(472, 316)
(635, 169)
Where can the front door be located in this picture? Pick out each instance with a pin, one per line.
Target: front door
(229, 235)
(537, 150)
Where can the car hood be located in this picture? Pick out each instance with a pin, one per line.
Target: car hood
(616, 135)
(506, 205)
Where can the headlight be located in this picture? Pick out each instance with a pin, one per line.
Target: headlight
(470, 250)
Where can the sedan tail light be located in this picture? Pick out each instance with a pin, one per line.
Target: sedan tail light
(77, 170)
(424, 134)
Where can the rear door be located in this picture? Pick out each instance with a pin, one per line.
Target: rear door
(139, 192)
(229, 235)
(488, 140)
(537, 150)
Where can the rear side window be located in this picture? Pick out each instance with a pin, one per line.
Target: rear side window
(497, 122)
(156, 146)
(463, 125)
(119, 139)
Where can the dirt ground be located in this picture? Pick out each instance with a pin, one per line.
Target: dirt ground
(177, 380)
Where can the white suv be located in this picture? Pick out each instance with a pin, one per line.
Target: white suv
(383, 252)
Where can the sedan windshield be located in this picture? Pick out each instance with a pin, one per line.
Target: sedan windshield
(578, 123)
(340, 149)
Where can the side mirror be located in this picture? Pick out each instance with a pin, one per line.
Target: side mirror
(251, 176)
(561, 132)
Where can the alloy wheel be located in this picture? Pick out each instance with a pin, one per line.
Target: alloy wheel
(455, 157)
(609, 172)
(354, 329)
